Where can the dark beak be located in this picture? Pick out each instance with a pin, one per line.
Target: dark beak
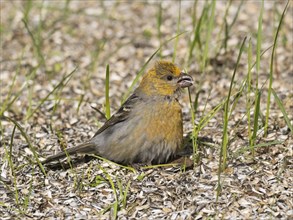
(184, 80)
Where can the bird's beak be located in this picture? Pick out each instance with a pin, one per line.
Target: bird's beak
(184, 80)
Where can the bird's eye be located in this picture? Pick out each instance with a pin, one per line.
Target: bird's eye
(169, 77)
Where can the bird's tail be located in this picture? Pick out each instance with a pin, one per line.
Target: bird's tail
(85, 148)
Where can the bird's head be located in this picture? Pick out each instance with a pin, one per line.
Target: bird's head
(164, 79)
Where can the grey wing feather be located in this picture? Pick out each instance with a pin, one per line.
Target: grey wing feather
(121, 115)
(90, 147)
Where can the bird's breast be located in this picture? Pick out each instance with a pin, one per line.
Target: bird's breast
(163, 123)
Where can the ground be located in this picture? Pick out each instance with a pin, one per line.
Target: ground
(45, 108)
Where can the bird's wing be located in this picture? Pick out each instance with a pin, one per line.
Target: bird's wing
(122, 114)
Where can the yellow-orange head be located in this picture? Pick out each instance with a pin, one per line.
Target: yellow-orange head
(164, 79)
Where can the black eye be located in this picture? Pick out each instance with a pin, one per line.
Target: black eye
(169, 77)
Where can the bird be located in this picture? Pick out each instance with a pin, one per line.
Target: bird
(148, 127)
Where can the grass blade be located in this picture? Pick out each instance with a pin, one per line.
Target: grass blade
(159, 24)
(209, 34)
(223, 152)
(255, 120)
(258, 44)
(28, 142)
(247, 148)
(196, 35)
(271, 70)
(282, 108)
(226, 113)
(108, 110)
(177, 32)
(248, 80)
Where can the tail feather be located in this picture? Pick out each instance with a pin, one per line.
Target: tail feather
(85, 148)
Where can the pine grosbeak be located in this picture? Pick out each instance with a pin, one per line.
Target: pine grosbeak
(148, 127)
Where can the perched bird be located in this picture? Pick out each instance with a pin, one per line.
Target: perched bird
(148, 127)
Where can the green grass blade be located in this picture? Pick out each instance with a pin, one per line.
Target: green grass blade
(177, 32)
(194, 134)
(224, 24)
(226, 111)
(236, 15)
(247, 148)
(7, 102)
(205, 120)
(111, 182)
(248, 104)
(159, 24)
(28, 142)
(108, 110)
(11, 165)
(196, 35)
(211, 22)
(258, 43)
(282, 108)
(79, 103)
(37, 42)
(255, 120)
(272, 70)
(228, 27)
(124, 199)
(225, 139)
